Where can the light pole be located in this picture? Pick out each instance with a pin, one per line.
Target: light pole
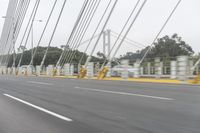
(32, 36)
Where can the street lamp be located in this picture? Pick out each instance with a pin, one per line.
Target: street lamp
(32, 34)
(65, 47)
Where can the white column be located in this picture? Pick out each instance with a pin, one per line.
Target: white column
(96, 68)
(29, 70)
(173, 69)
(66, 69)
(71, 70)
(4, 69)
(90, 70)
(124, 73)
(38, 70)
(109, 69)
(1, 70)
(197, 70)
(50, 70)
(9, 70)
(158, 69)
(13, 71)
(24, 70)
(149, 68)
(58, 69)
(136, 70)
(141, 71)
(191, 64)
(183, 64)
(19, 70)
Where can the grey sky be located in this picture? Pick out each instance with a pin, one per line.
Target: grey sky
(185, 22)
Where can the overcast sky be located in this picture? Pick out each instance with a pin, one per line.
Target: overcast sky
(185, 22)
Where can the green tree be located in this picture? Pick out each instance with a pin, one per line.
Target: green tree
(166, 47)
(170, 47)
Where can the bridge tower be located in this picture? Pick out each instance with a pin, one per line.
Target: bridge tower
(106, 42)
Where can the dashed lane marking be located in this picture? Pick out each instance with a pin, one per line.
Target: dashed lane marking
(125, 93)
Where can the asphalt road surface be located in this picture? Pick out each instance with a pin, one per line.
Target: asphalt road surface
(50, 105)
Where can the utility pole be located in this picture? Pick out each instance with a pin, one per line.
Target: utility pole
(32, 40)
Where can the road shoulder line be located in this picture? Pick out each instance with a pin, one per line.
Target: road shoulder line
(39, 108)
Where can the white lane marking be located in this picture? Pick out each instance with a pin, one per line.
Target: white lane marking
(40, 108)
(125, 93)
(41, 83)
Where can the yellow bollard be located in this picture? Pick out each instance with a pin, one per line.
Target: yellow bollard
(83, 73)
(196, 80)
(26, 73)
(103, 73)
(16, 73)
(54, 72)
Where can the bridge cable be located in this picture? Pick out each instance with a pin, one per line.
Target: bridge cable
(93, 36)
(173, 11)
(54, 30)
(16, 26)
(71, 58)
(45, 27)
(20, 22)
(102, 30)
(79, 29)
(72, 32)
(124, 27)
(26, 30)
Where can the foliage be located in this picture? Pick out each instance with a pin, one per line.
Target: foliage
(165, 47)
(52, 56)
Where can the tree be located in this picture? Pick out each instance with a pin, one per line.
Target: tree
(170, 47)
(52, 57)
(166, 47)
(101, 55)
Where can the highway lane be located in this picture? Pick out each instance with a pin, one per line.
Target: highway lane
(97, 106)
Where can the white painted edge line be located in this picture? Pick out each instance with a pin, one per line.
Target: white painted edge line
(41, 83)
(40, 108)
(125, 93)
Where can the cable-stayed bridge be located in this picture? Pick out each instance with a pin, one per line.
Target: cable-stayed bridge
(77, 94)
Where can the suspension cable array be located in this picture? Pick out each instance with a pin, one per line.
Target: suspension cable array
(173, 11)
(15, 20)
(29, 31)
(103, 29)
(93, 36)
(86, 26)
(41, 37)
(129, 41)
(54, 30)
(72, 32)
(92, 20)
(104, 70)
